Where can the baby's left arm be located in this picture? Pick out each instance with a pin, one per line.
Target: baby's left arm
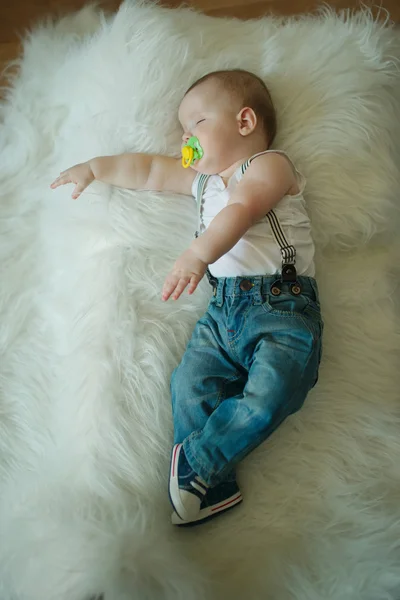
(266, 181)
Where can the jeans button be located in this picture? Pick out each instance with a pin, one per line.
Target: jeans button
(275, 291)
(245, 285)
(296, 289)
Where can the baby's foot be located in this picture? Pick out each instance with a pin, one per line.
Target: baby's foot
(186, 488)
(217, 500)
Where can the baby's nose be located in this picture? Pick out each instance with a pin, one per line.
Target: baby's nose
(185, 138)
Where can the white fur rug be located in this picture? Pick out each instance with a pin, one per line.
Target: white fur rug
(87, 347)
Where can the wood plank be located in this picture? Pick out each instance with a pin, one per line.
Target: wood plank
(257, 8)
(17, 16)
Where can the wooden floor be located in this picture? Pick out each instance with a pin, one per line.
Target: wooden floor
(18, 15)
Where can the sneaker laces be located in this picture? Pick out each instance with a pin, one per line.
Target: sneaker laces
(200, 485)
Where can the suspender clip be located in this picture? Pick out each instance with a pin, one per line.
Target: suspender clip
(289, 273)
(213, 281)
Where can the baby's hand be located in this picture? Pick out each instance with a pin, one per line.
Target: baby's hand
(81, 175)
(187, 270)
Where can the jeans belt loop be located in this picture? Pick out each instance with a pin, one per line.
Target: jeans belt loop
(258, 292)
(220, 292)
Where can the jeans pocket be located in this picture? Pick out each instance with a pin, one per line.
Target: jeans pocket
(313, 321)
(285, 304)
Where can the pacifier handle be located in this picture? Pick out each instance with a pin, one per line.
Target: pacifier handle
(187, 156)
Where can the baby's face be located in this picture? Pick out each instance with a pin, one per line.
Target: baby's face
(209, 113)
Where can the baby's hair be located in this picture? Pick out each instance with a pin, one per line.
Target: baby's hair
(251, 91)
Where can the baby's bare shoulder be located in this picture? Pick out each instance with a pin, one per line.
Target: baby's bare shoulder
(271, 166)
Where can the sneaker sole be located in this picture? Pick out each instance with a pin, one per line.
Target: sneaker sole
(208, 513)
(173, 486)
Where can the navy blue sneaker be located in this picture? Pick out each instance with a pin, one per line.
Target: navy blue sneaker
(186, 488)
(217, 500)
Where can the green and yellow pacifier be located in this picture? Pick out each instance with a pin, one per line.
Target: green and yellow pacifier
(191, 152)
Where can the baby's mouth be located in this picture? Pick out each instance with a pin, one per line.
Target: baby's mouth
(191, 152)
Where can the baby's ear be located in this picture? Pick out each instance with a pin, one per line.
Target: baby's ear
(246, 120)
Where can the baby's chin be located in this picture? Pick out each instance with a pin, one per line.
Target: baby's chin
(203, 166)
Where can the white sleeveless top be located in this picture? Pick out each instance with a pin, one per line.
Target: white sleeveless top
(257, 252)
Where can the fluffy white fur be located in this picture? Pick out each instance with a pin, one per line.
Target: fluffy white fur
(87, 347)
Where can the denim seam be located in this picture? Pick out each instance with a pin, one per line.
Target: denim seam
(222, 393)
(193, 436)
(197, 433)
(237, 336)
(315, 337)
(233, 349)
(304, 370)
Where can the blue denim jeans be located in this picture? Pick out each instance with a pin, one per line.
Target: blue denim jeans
(249, 364)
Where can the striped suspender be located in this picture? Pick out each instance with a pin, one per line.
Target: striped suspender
(288, 251)
(199, 200)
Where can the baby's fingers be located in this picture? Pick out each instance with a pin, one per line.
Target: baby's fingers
(78, 190)
(174, 285)
(169, 286)
(62, 179)
(179, 288)
(194, 282)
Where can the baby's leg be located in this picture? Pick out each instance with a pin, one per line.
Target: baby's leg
(205, 377)
(283, 370)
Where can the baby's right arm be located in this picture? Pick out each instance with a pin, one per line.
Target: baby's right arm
(133, 171)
